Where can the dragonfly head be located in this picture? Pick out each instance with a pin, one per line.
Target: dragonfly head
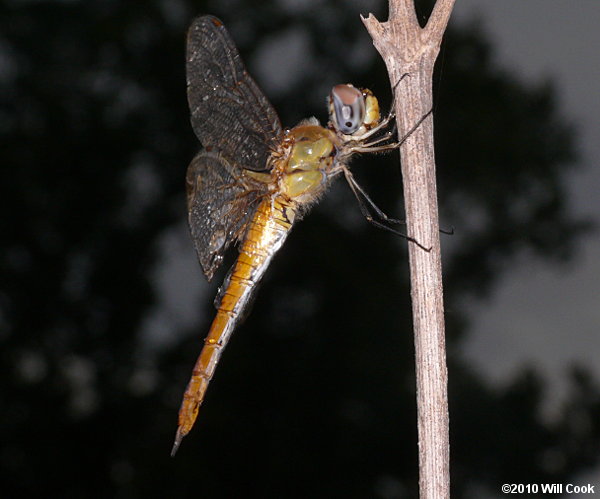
(352, 111)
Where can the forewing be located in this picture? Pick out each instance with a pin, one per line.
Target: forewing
(228, 110)
(221, 201)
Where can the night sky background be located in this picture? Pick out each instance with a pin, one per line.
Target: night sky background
(103, 307)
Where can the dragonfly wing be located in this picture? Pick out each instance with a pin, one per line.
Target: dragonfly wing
(221, 202)
(228, 110)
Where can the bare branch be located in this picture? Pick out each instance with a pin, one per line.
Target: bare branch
(436, 25)
(409, 49)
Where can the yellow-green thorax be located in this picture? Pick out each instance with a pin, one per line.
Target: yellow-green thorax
(304, 166)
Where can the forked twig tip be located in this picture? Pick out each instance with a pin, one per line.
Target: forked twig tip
(371, 23)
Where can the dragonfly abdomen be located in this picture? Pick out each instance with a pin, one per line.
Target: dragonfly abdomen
(266, 233)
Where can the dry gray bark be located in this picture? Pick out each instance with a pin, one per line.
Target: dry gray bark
(409, 52)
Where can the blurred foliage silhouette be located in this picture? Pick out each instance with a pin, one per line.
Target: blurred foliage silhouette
(315, 395)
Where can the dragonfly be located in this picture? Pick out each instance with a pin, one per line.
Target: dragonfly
(253, 180)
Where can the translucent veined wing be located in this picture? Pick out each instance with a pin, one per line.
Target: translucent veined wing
(221, 200)
(228, 110)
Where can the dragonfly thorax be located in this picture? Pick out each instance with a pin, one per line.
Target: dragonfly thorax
(304, 171)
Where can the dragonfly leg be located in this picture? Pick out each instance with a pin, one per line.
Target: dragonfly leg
(389, 117)
(364, 200)
(369, 147)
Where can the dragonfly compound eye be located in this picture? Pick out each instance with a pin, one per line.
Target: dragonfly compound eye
(349, 108)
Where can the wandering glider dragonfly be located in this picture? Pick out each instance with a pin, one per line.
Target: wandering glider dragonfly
(253, 179)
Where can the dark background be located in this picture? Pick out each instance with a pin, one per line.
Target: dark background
(315, 395)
